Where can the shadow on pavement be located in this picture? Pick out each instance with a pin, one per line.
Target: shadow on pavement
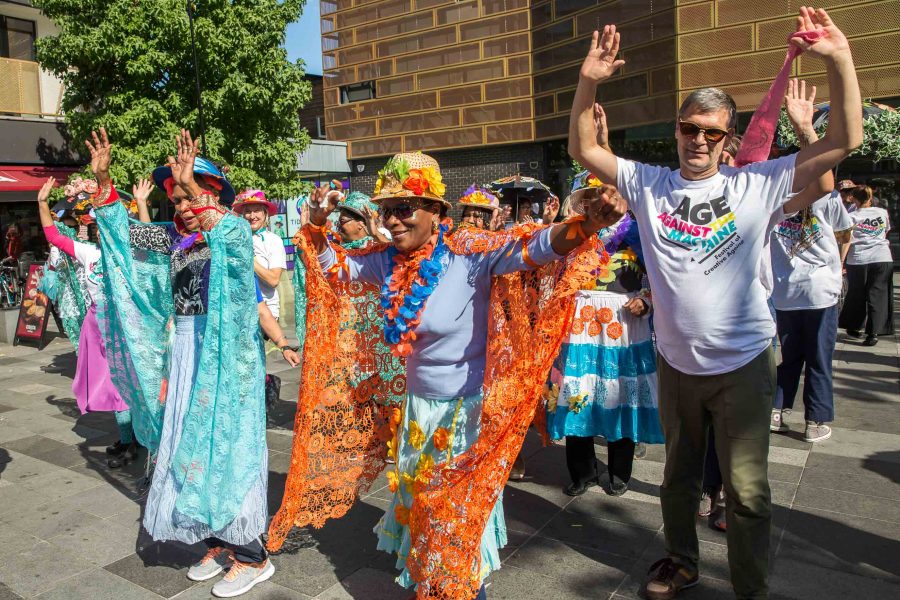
(886, 464)
(62, 364)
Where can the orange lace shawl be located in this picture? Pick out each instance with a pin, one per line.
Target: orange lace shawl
(340, 432)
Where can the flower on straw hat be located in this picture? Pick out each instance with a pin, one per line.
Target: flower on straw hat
(410, 174)
(78, 185)
(479, 197)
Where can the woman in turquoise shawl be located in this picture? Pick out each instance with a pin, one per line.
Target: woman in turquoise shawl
(197, 404)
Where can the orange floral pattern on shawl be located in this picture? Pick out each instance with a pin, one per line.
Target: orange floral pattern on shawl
(448, 516)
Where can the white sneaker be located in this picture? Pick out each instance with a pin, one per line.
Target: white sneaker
(212, 564)
(241, 578)
(816, 432)
(777, 424)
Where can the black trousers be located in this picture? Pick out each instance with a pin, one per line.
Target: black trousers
(807, 339)
(869, 301)
(254, 552)
(583, 464)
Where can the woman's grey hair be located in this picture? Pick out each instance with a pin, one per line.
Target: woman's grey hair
(709, 100)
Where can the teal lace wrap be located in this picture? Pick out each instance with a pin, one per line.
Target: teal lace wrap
(224, 438)
(71, 297)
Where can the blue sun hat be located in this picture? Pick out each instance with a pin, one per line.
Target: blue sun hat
(204, 167)
(356, 203)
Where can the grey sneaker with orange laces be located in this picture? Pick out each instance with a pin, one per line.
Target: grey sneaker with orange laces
(670, 578)
(241, 578)
(212, 564)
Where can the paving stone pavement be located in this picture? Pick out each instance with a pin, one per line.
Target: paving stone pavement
(69, 526)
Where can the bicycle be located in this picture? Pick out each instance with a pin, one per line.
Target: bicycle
(11, 289)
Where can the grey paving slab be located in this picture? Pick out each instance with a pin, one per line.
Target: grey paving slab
(842, 543)
(860, 504)
(263, 591)
(371, 584)
(47, 520)
(97, 584)
(39, 567)
(8, 594)
(510, 583)
(801, 581)
(569, 564)
(98, 541)
(597, 504)
(159, 568)
(598, 534)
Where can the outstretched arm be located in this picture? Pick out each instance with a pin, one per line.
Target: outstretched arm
(599, 65)
(800, 109)
(141, 193)
(272, 329)
(845, 131)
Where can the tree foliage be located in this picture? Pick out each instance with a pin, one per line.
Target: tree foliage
(881, 135)
(127, 65)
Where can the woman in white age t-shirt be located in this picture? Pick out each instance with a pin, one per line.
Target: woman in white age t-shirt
(269, 262)
(869, 267)
(269, 257)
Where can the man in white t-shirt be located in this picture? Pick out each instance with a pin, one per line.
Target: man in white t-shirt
(702, 230)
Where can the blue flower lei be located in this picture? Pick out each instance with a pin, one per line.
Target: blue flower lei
(430, 272)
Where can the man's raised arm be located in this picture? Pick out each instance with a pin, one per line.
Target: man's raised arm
(845, 132)
(599, 65)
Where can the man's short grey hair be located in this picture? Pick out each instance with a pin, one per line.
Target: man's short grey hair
(710, 100)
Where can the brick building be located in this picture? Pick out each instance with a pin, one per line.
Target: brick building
(486, 85)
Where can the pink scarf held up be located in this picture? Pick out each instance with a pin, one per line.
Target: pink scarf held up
(761, 131)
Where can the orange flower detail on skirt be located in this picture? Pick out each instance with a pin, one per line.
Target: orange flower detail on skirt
(441, 438)
(605, 315)
(587, 313)
(401, 513)
(393, 481)
(595, 328)
(577, 326)
(614, 330)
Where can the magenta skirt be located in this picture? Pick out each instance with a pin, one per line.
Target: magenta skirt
(93, 387)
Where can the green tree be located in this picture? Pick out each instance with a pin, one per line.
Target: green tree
(127, 65)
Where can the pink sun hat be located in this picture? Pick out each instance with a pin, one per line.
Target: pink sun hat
(248, 197)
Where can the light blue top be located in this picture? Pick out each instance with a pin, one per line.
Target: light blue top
(448, 355)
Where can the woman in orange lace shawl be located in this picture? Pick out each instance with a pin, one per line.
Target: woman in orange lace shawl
(341, 433)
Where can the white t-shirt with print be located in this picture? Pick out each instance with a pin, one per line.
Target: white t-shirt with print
(268, 249)
(869, 243)
(807, 264)
(703, 243)
(88, 256)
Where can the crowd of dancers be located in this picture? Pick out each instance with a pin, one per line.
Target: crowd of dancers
(637, 310)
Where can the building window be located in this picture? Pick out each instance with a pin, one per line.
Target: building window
(17, 38)
(320, 128)
(357, 92)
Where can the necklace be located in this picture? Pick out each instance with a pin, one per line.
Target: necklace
(357, 244)
(406, 290)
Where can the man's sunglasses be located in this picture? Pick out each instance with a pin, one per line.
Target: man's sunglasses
(402, 210)
(711, 134)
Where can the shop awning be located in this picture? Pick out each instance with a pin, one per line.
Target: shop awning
(17, 178)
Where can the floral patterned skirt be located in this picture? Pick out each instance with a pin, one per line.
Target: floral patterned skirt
(603, 383)
(431, 432)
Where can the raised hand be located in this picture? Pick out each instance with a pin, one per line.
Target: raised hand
(322, 203)
(100, 150)
(304, 214)
(799, 108)
(604, 210)
(551, 209)
(496, 220)
(141, 191)
(44, 192)
(371, 220)
(600, 62)
(834, 42)
(182, 164)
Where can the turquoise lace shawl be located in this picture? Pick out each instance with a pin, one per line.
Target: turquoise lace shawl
(71, 297)
(224, 438)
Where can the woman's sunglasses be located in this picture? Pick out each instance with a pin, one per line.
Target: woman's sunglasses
(711, 134)
(401, 210)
